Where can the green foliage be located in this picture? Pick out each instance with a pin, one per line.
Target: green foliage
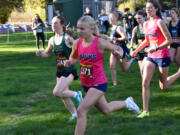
(129, 4)
(166, 4)
(37, 7)
(34, 6)
(7, 6)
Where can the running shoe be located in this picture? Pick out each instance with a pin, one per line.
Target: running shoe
(78, 97)
(131, 105)
(73, 117)
(143, 114)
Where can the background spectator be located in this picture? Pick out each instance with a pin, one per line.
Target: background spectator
(88, 12)
(128, 19)
(38, 26)
(103, 22)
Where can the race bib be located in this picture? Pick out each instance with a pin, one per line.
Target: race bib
(153, 43)
(86, 70)
(176, 40)
(60, 61)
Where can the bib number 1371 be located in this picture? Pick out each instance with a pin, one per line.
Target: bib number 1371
(86, 70)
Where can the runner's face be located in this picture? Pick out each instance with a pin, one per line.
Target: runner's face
(173, 14)
(83, 29)
(56, 25)
(150, 9)
(113, 19)
(139, 19)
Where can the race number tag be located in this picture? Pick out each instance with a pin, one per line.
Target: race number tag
(60, 61)
(153, 43)
(176, 40)
(86, 70)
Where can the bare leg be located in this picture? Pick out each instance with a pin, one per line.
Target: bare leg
(69, 105)
(61, 90)
(166, 81)
(140, 62)
(113, 61)
(90, 100)
(177, 58)
(96, 97)
(141, 65)
(103, 106)
(124, 64)
(172, 51)
(149, 69)
(143, 62)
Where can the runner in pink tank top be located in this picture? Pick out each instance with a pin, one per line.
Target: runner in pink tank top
(90, 50)
(91, 64)
(158, 38)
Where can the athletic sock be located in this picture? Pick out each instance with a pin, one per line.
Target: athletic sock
(75, 95)
(134, 59)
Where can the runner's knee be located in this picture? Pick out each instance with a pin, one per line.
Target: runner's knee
(112, 67)
(58, 93)
(145, 83)
(81, 111)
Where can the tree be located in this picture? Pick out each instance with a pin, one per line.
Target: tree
(166, 4)
(36, 7)
(7, 6)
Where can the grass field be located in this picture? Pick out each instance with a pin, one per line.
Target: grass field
(28, 107)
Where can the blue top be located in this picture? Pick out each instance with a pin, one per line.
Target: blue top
(115, 34)
(175, 32)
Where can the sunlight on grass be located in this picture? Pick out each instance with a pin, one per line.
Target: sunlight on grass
(23, 50)
(15, 119)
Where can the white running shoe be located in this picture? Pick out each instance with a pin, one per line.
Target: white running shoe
(131, 105)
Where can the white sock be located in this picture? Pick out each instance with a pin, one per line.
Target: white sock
(75, 95)
(74, 114)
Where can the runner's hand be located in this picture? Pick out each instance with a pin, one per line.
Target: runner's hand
(133, 53)
(118, 52)
(150, 49)
(67, 63)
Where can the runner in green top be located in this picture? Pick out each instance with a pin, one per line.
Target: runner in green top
(62, 52)
(138, 35)
(61, 44)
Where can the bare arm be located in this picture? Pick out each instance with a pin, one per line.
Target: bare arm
(133, 37)
(69, 40)
(48, 51)
(121, 31)
(168, 39)
(104, 45)
(34, 26)
(166, 34)
(73, 57)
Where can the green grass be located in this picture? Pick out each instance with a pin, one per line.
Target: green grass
(28, 107)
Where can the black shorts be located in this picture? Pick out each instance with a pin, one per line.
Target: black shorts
(175, 46)
(66, 74)
(125, 49)
(140, 56)
(101, 87)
